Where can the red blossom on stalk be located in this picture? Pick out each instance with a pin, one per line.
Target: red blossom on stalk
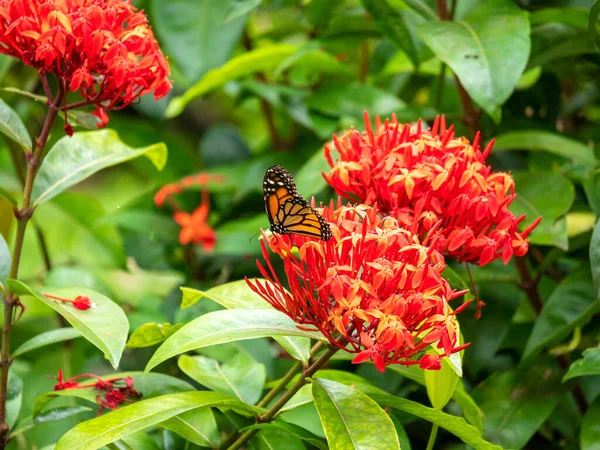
(373, 283)
(431, 181)
(112, 391)
(81, 302)
(104, 49)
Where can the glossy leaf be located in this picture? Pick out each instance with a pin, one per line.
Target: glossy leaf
(588, 365)
(56, 414)
(12, 126)
(349, 418)
(441, 384)
(595, 258)
(5, 260)
(572, 304)
(292, 430)
(589, 437)
(95, 433)
(392, 25)
(14, 398)
(515, 405)
(104, 325)
(488, 50)
(237, 295)
(151, 334)
(544, 141)
(547, 195)
(47, 338)
(73, 159)
(227, 326)
(240, 376)
(195, 33)
(197, 426)
(455, 425)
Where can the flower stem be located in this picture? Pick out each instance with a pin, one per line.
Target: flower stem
(432, 436)
(302, 380)
(23, 215)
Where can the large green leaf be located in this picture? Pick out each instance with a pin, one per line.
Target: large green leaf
(95, 433)
(538, 140)
(589, 439)
(12, 126)
(194, 33)
(572, 304)
(5, 260)
(151, 334)
(237, 295)
(227, 326)
(198, 426)
(588, 365)
(595, 258)
(105, 325)
(547, 195)
(455, 425)
(291, 430)
(392, 25)
(488, 50)
(47, 338)
(351, 419)
(309, 178)
(73, 159)
(516, 404)
(240, 376)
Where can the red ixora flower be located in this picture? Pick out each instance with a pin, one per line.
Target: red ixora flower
(112, 391)
(81, 302)
(430, 181)
(372, 283)
(104, 49)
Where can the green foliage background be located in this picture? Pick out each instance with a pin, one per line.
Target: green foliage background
(259, 83)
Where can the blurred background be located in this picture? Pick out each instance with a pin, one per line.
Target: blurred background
(262, 83)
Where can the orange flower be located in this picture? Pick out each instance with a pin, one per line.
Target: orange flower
(195, 229)
(431, 181)
(165, 192)
(373, 283)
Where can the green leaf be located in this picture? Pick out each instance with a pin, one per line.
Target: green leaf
(242, 7)
(14, 398)
(594, 24)
(8, 196)
(588, 365)
(136, 441)
(56, 414)
(151, 334)
(595, 258)
(392, 25)
(455, 425)
(237, 295)
(292, 430)
(589, 437)
(309, 178)
(353, 100)
(272, 439)
(5, 260)
(441, 384)
(547, 195)
(104, 325)
(195, 33)
(351, 419)
(240, 376)
(197, 426)
(516, 404)
(538, 140)
(260, 60)
(488, 50)
(572, 304)
(73, 159)
(12, 126)
(95, 433)
(227, 326)
(47, 338)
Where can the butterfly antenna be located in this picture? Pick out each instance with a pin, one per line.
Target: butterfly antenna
(253, 236)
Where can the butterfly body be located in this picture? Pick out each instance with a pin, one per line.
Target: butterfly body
(287, 211)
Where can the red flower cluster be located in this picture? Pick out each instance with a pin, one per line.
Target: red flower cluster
(109, 396)
(372, 283)
(194, 227)
(104, 49)
(81, 302)
(430, 181)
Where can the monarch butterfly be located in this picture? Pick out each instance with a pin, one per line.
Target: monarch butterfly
(287, 211)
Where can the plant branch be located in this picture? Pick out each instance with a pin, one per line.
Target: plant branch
(302, 380)
(23, 215)
(432, 436)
